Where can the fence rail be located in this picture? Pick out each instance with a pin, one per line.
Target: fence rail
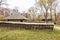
(27, 25)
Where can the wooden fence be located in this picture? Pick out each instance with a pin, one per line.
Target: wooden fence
(28, 25)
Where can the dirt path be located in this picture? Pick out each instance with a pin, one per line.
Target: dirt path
(56, 27)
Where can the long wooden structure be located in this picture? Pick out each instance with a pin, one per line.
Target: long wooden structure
(27, 25)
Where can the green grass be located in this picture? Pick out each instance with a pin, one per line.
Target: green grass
(22, 34)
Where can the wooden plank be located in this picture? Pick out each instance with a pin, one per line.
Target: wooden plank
(26, 23)
(29, 25)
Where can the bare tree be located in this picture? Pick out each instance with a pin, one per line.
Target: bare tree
(47, 4)
(3, 2)
(55, 5)
(33, 11)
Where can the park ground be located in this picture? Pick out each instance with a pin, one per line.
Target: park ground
(57, 26)
(23, 34)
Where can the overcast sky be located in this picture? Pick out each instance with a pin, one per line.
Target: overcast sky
(58, 6)
(24, 5)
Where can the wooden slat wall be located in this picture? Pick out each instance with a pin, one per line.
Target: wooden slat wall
(27, 26)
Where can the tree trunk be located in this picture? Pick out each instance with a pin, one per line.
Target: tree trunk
(55, 18)
(51, 13)
(46, 16)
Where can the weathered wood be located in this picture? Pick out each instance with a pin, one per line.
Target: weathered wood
(28, 25)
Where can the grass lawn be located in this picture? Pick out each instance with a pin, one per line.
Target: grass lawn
(22, 34)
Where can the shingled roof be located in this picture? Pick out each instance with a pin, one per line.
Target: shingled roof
(15, 16)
